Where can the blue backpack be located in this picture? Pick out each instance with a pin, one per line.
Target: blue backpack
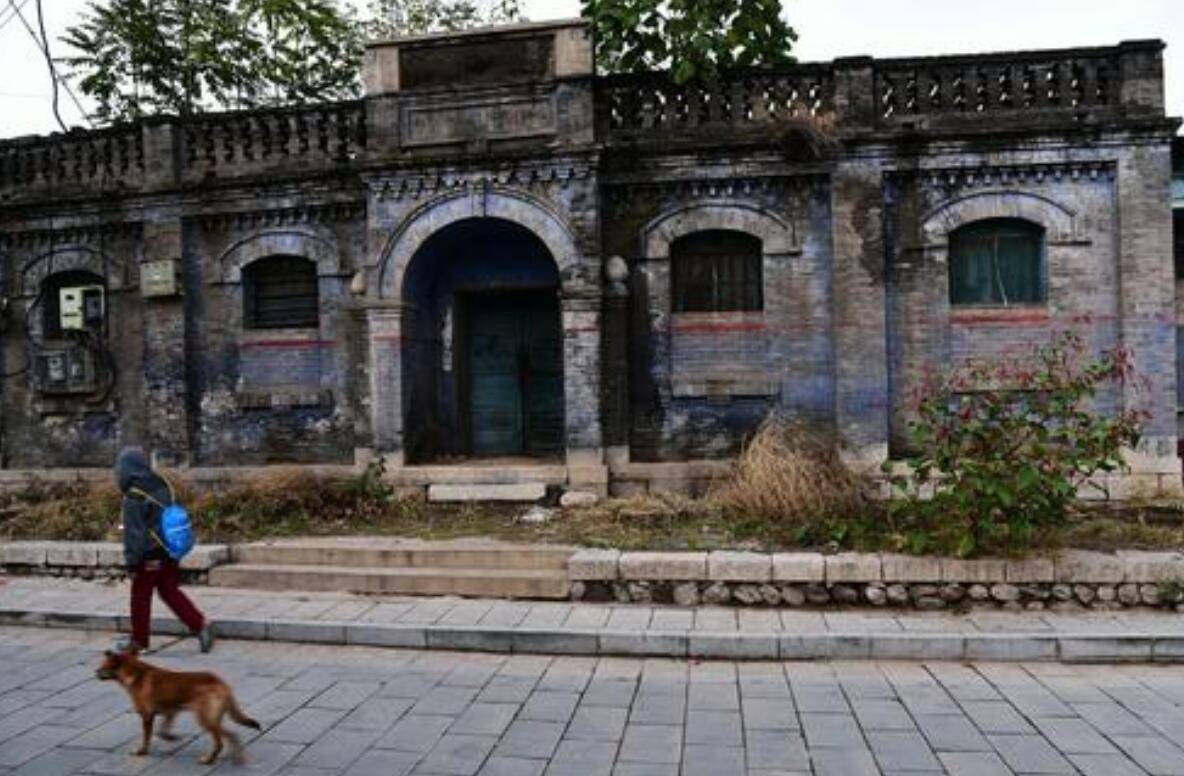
(176, 530)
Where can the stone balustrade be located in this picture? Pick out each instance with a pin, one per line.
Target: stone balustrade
(160, 153)
(228, 144)
(652, 104)
(1065, 87)
(103, 159)
(1006, 83)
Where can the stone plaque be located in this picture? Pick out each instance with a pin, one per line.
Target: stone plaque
(475, 62)
(504, 119)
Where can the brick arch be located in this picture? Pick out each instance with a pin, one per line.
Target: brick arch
(69, 258)
(305, 243)
(1059, 222)
(777, 235)
(437, 214)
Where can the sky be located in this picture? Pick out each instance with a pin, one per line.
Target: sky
(826, 29)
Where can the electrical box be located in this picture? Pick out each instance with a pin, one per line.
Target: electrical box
(66, 370)
(81, 308)
(160, 278)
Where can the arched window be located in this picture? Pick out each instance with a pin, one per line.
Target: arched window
(716, 271)
(86, 304)
(280, 292)
(997, 262)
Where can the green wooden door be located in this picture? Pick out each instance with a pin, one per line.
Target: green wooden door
(515, 375)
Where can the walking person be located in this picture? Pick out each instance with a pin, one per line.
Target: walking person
(145, 494)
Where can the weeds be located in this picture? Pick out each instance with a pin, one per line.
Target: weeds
(788, 472)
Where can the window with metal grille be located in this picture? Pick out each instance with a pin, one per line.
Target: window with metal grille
(717, 271)
(280, 292)
(999, 261)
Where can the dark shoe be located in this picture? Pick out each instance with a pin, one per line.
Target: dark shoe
(205, 638)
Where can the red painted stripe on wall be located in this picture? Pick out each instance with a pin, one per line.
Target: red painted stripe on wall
(1010, 317)
(289, 343)
(717, 328)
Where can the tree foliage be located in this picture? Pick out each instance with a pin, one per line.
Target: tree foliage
(1003, 448)
(693, 39)
(392, 18)
(141, 57)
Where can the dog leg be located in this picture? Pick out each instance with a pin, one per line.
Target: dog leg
(236, 746)
(215, 730)
(146, 718)
(166, 728)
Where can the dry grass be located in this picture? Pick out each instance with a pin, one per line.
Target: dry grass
(788, 491)
(789, 473)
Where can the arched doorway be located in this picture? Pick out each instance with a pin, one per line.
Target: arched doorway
(482, 345)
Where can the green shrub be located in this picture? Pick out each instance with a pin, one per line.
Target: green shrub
(1003, 448)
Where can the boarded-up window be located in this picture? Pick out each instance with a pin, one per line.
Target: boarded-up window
(997, 262)
(280, 292)
(716, 271)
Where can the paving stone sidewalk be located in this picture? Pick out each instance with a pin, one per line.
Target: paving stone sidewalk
(601, 629)
(328, 711)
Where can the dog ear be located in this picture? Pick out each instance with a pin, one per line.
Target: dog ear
(108, 653)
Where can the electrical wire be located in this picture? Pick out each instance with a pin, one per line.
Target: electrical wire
(11, 14)
(43, 47)
(53, 73)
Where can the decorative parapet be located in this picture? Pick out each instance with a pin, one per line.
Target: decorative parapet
(652, 103)
(304, 138)
(807, 105)
(1027, 89)
(1032, 82)
(162, 152)
(103, 159)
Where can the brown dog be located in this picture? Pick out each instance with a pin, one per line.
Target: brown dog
(157, 691)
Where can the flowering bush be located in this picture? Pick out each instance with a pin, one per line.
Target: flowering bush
(1002, 449)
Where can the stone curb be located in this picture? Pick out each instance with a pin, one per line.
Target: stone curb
(1068, 566)
(96, 555)
(1078, 647)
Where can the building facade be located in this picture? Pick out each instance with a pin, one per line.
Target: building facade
(498, 266)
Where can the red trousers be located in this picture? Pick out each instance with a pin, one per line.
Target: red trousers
(165, 577)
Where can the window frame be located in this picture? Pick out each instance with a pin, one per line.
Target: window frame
(741, 291)
(265, 270)
(959, 252)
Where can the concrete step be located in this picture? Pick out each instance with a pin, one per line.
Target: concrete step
(381, 556)
(521, 492)
(420, 580)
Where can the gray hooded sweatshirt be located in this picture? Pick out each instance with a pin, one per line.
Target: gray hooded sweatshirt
(141, 517)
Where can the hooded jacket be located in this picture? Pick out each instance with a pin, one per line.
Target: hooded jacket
(141, 517)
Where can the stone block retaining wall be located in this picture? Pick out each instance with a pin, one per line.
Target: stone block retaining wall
(1071, 580)
(97, 560)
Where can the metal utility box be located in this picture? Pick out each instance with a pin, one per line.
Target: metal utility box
(66, 370)
(160, 278)
(81, 307)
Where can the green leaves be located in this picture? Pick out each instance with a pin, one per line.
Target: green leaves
(142, 57)
(1005, 449)
(393, 18)
(691, 39)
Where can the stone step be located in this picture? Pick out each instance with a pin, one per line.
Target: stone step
(485, 583)
(394, 556)
(521, 492)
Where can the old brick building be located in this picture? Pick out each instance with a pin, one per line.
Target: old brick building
(498, 267)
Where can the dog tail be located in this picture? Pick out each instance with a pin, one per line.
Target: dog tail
(237, 715)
